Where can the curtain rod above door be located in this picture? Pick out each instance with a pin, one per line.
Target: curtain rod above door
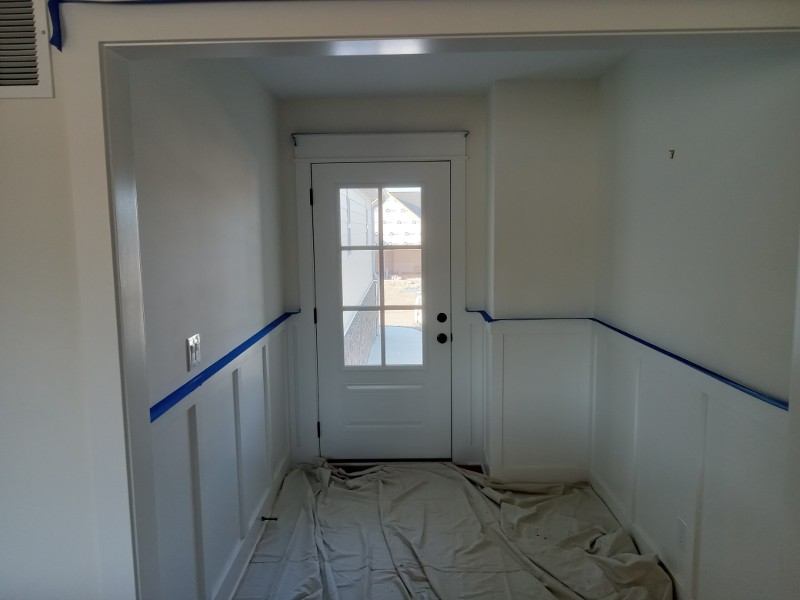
(297, 134)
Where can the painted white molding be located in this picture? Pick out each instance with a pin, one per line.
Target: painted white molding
(322, 147)
(469, 370)
(538, 400)
(130, 310)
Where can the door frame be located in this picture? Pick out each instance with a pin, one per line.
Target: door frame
(382, 147)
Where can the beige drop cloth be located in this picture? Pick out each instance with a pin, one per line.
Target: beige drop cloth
(436, 531)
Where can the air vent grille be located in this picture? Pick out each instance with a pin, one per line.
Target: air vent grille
(19, 65)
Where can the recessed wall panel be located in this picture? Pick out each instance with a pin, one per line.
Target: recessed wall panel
(278, 400)
(254, 468)
(614, 418)
(219, 487)
(749, 543)
(545, 402)
(669, 458)
(175, 508)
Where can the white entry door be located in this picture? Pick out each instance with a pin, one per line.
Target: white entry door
(382, 277)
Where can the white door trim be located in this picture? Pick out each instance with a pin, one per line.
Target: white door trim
(378, 147)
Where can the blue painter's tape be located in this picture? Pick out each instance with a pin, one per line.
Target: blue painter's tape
(777, 402)
(195, 382)
(55, 24)
(490, 319)
(486, 316)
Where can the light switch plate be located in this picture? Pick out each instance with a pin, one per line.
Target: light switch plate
(192, 351)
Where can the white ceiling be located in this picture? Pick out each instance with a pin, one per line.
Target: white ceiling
(445, 73)
(437, 65)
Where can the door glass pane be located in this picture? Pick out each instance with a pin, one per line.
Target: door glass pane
(403, 337)
(360, 278)
(402, 274)
(402, 216)
(362, 337)
(358, 211)
(362, 217)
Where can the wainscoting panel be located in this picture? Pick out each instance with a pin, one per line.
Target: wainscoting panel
(488, 378)
(278, 371)
(748, 546)
(220, 455)
(616, 383)
(179, 544)
(708, 492)
(476, 389)
(468, 389)
(539, 400)
(669, 458)
(252, 424)
(219, 487)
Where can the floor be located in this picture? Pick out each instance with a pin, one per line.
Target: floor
(432, 530)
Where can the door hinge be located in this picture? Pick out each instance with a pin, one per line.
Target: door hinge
(318, 430)
(315, 315)
(311, 196)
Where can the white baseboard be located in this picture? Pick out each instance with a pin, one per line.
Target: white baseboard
(617, 508)
(540, 474)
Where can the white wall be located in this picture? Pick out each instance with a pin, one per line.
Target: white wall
(205, 147)
(47, 516)
(205, 151)
(396, 114)
(543, 198)
(700, 252)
